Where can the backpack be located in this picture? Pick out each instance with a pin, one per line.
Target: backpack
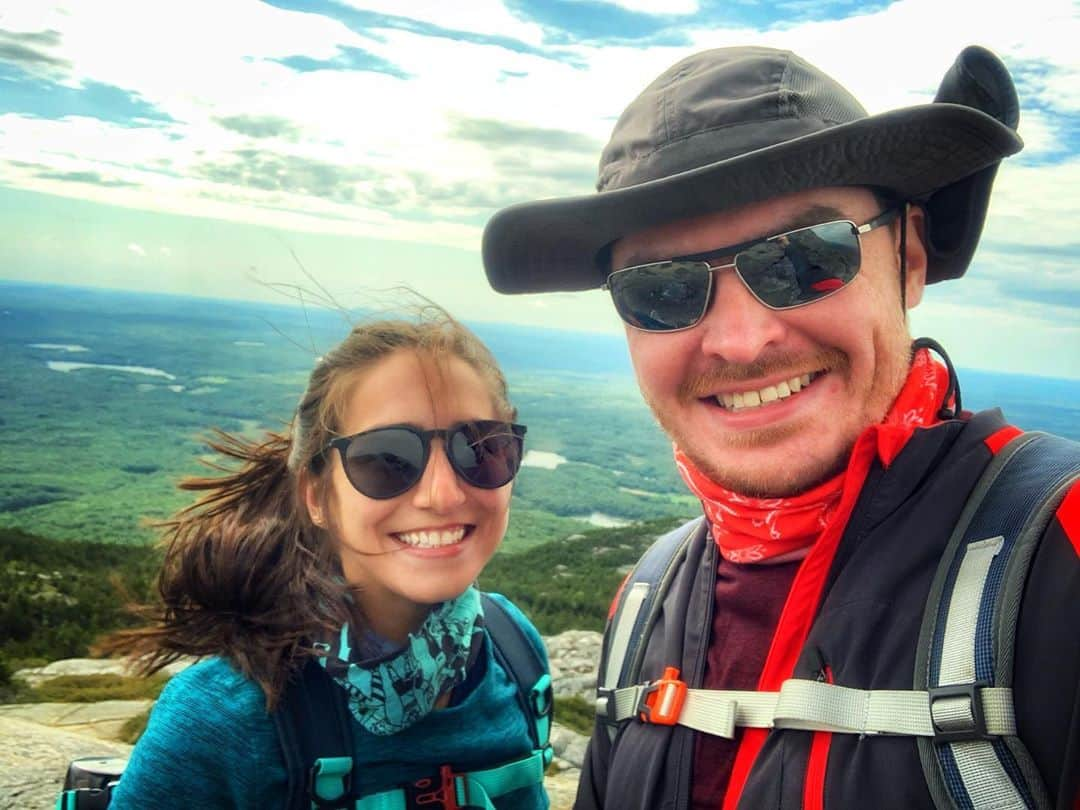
(318, 755)
(960, 709)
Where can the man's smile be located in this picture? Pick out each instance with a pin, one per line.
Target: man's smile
(755, 398)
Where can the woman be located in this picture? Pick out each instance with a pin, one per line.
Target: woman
(354, 541)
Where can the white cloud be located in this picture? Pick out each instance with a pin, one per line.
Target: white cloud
(656, 7)
(390, 150)
(995, 338)
(1036, 205)
(136, 248)
(1042, 133)
(487, 17)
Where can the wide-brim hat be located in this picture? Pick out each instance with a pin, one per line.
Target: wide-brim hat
(733, 126)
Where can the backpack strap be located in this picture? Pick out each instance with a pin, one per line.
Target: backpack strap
(317, 755)
(968, 635)
(637, 606)
(516, 654)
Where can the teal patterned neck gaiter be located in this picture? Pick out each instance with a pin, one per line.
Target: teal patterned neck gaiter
(390, 693)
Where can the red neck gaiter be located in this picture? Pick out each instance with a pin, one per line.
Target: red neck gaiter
(774, 530)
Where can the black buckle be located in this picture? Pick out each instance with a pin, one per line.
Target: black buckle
(977, 730)
(433, 793)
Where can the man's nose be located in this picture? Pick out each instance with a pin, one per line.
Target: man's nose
(440, 489)
(737, 327)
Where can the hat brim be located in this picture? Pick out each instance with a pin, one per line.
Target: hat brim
(562, 244)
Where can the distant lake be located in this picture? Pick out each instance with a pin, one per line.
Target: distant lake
(604, 521)
(542, 459)
(59, 347)
(64, 366)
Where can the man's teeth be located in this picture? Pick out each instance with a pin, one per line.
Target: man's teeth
(432, 539)
(763, 396)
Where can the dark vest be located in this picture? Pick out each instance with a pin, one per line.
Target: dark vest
(866, 631)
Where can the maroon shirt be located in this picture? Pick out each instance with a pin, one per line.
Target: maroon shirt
(749, 600)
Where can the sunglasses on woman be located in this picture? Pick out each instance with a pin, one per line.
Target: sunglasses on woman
(785, 271)
(385, 462)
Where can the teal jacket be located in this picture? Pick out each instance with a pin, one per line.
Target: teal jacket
(211, 744)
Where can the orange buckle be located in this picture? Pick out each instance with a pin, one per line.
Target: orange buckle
(445, 796)
(661, 701)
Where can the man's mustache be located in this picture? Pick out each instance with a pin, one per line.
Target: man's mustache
(723, 375)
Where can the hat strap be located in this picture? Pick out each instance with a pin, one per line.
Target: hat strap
(903, 258)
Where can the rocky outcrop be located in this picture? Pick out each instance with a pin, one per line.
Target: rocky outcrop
(101, 720)
(34, 759)
(35, 676)
(574, 655)
(37, 741)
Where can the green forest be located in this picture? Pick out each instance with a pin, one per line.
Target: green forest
(94, 452)
(56, 597)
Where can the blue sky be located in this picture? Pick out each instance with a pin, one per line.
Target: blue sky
(217, 147)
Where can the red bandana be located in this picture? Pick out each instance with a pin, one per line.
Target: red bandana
(773, 530)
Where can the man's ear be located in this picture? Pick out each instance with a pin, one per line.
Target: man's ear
(916, 256)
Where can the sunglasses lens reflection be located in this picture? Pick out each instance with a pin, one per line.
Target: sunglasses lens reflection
(801, 267)
(662, 297)
(486, 454)
(384, 463)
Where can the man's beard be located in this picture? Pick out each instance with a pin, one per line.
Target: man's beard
(806, 473)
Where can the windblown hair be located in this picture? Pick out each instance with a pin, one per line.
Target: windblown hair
(246, 574)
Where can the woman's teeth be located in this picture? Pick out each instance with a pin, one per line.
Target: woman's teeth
(770, 393)
(432, 538)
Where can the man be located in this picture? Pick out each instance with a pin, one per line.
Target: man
(762, 238)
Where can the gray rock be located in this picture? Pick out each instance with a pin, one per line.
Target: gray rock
(34, 759)
(574, 656)
(561, 788)
(34, 676)
(102, 720)
(568, 745)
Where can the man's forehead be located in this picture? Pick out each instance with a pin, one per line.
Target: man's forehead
(714, 231)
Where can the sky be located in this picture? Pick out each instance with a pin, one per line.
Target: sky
(260, 150)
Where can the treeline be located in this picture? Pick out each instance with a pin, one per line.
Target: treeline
(574, 490)
(56, 596)
(568, 584)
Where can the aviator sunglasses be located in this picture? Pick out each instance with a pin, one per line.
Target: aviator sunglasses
(784, 271)
(385, 462)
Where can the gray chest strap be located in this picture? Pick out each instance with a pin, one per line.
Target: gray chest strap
(816, 706)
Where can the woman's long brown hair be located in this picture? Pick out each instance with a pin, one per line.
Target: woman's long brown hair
(246, 574)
